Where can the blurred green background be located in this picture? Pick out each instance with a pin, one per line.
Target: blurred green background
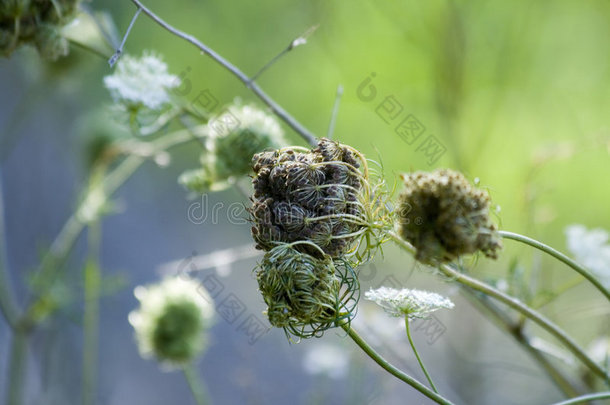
(517, 94)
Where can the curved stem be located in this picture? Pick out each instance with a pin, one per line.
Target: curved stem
(275, 107)
(195, 384)
(517, 305)
(559, 256)
(585, 398)
(515, 329)
(392, 369)
(421, 363)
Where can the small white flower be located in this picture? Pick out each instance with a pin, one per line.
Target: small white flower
(406, 302)
(172, 319)
(327, 359)
(141, 81)
(238, 117)
(591, 249)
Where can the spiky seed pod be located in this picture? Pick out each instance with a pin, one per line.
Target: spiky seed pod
(309, 196)
(444, 217)
(36, 22)
(306, 295)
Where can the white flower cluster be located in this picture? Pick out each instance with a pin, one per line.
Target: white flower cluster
(141, 81)
(238, 117)
(406, 302)
(156, 299)
(591, 249)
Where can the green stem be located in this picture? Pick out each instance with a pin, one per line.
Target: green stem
(585, 398)
(92, 280)
(391, 369)
(7, 300)
(421, 363)
(195, 384)
(72, 229)
(517, 305)
(17, 367)
(515, 329)
(559, 256)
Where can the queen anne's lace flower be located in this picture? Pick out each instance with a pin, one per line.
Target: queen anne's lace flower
(172, 320)
(591, 249)
(406, 302)
(141, 81)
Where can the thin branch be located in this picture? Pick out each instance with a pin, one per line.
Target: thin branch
(517, 305)
(301, 40)
(333, 115)
(559, 256)
(275, 107)
(117, 54)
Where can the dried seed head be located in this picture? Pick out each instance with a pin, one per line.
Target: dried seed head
(308, 196)
(305, 295)
(444, 217)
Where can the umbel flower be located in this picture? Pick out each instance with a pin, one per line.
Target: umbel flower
(444, 216)
(406, 302)
(306, 295)
(172, 320)
(141, 82)
(319, 196)
(233, 137)
(35, 22)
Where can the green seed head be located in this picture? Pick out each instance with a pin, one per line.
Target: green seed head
(305, 295)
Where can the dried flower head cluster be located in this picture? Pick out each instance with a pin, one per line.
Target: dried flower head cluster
(141, 82)
(172, 320)
(308, 196)
(233, 138)
(444, 217)
(35, 22)
(305, 295)
(406, 302)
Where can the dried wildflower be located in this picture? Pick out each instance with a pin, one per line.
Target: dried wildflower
(406, 302)
(319, 196)
(141, 82)
(444, 217)
(305, 295)
(37, 23)
(172, 320)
